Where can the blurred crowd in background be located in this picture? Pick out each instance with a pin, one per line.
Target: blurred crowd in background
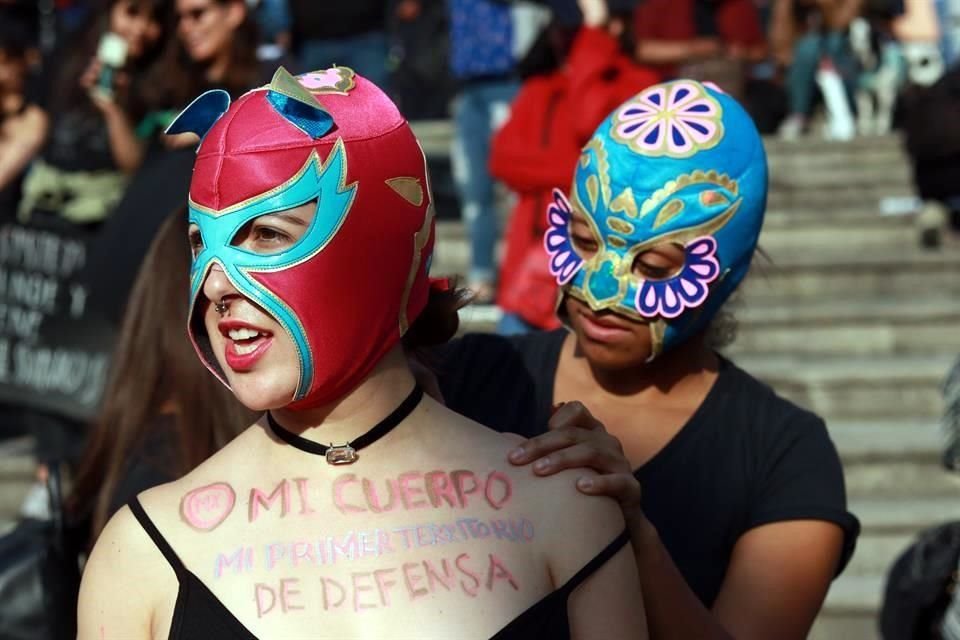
(87, 177)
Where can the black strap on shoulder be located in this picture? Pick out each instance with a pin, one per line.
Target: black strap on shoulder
(156, 536)
(596, 562)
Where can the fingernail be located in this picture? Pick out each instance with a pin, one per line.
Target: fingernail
(585, 483)
(541, 464)
(517, 454)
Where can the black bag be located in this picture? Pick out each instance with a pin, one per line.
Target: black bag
(40, 575)
(920, 585)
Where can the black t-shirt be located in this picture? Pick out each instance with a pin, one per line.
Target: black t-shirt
(747, 457)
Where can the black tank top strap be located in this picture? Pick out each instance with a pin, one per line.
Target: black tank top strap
(596, 562)
(157, 538)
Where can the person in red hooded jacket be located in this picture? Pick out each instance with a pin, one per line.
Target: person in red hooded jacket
(552, 117)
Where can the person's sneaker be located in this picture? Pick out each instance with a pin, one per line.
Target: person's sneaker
(792, 127)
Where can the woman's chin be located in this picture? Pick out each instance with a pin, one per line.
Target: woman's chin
(257, 397)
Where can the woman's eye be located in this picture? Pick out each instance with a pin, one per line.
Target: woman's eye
(658, 264)
(196, 242)
(587, 246)
(269, 235)
(651, 271)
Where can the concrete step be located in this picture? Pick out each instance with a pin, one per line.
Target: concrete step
(818, 276)
(891, 516)
(882, 441)
(840, 196)
(876, 553)
(809, 173)
(815, 146)
(895, 236)
(893, 458)
(889, 526)
(853, 595)
(900, 479)
(882, 326)
(857, 387)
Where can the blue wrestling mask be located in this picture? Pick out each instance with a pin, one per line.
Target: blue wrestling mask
(679, 163)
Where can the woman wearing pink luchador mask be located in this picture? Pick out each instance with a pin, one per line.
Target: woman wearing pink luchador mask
(357, 506)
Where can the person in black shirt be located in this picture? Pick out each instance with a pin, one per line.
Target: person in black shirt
(742, 522)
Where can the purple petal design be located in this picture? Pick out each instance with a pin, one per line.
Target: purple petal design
(564, 261)
(687, 289)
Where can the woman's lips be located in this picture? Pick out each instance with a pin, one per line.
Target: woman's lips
(244, 343)
(243, 355)
(602, 330)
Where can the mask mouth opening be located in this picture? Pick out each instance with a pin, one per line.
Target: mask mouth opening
(201, 341)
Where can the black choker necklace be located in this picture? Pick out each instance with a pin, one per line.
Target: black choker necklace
(347, 453)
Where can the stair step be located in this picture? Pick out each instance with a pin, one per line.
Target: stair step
(903, 479)
(855, 595)
(817, 276)
(883, 326)
(841, 196)
(875, 553)
(883, 441)
(857, 387)
(898, 515)
(806, 173)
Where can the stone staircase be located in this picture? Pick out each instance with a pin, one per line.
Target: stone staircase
(849, 318)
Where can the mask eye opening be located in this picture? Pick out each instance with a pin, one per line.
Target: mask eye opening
(661, 262)
(195, 238)
(277, 231)
(583, 237)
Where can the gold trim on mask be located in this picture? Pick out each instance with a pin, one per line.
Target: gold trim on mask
(285, 83)
(625, 202)
(697, 177)
(620, 226)
(603, 165)
(593, 189)
(614, 305)
(420, 239)
(617, 241)
(407, 188)
(669, 211)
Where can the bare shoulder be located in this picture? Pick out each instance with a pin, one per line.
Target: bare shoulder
(462, 428)
(113, 594)
(575, 526)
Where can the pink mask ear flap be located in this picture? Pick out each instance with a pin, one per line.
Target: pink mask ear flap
(201, 114)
